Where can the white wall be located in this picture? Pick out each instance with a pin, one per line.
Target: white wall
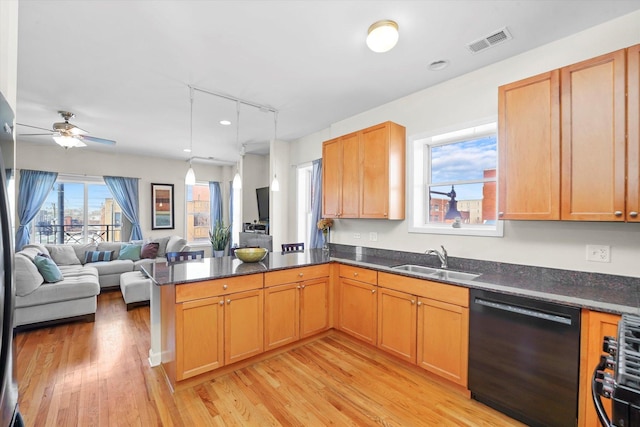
(150, 170)
(472, 97)
(9, 50)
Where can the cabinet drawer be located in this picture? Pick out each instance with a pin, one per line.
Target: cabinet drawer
(359, 274)
(299, 274)
(452, 294)
(210, 288)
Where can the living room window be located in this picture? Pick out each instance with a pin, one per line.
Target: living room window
(198, 212)
(79, 210)
(452, 181)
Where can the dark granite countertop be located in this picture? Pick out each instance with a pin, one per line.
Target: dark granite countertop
(602, 292)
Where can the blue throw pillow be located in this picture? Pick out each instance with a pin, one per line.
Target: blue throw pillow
(49, 270)
(96, 256)
(131, 252)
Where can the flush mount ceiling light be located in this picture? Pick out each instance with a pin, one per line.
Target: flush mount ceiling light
(383, 36)
(225, 122)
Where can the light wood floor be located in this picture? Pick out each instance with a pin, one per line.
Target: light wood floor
(97, 374)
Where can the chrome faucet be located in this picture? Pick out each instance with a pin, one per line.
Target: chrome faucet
(442, 256)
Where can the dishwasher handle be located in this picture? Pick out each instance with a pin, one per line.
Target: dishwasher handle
(524, 311)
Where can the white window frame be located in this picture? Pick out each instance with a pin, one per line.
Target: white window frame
(418, 163)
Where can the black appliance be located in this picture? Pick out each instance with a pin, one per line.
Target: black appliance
(622, 356)
(9, 414)
(524, 357)
(262, 194)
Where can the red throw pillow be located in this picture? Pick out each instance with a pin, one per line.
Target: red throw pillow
(150, 250)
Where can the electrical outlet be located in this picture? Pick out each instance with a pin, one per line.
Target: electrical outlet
(356, 235)
(373, 236)
(599, 253)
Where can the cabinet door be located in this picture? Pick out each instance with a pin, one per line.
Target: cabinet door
(281, 315)
(374, 184)
(397, 316)
(358, 311)
(243, 325)
(593, 139)
(594, 327)
(350, 176)
(331, 178)
(633, 133)
(314, 307)
(529, 148)
(443, 339)
(199, 336)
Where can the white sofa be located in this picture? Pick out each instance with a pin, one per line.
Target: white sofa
(75, 296)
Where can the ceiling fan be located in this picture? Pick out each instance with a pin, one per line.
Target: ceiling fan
(67, 134)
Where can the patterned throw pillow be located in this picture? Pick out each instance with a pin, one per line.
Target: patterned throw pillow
(48, 269)
(96, 256)
(150, 250)
(131, 252)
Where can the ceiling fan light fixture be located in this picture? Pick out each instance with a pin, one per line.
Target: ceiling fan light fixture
(68, 141)
(382, 36)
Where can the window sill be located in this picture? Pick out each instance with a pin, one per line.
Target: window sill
(464, 230)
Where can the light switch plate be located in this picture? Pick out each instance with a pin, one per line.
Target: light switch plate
(373, 236)
(599, 253)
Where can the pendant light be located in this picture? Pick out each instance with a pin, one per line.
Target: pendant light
(275, 185)
(190, 178)
(237, 179)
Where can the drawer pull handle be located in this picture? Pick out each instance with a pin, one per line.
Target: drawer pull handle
(633, 214)
(618, 213)
(224, 286)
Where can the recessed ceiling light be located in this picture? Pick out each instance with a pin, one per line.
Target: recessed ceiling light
(186, 150)
(225, 122)
(438, 65)
(383, 36)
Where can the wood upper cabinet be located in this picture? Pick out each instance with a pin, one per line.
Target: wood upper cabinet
(529, 147)
(397, 322)
(363, 173)
(594, 327)
(593, 139)
(633, 133)
(296, 304)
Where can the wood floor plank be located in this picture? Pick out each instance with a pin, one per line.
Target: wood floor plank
(97, 374)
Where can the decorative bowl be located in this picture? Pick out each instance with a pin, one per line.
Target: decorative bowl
(251, 254)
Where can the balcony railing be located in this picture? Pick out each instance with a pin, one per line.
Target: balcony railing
(75, 233)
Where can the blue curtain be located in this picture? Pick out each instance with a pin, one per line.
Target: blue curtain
(125, 191)
(34, 188)
(316, 203)
(231, 242)
(215, 202)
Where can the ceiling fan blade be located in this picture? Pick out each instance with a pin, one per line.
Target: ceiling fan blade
(35, 127)
(36, 134)
(94, 139)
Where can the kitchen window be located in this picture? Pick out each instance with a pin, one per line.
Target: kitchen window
(198, 212)
(453, 182)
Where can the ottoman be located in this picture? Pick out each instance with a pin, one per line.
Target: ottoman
(135, 288)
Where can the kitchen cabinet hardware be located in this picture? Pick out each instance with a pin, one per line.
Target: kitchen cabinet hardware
(618, 213)
(633, 214)
(224, 287)
(221, 302)
(373, 291)
(228, 301)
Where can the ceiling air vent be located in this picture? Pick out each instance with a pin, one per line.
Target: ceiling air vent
(491, 40)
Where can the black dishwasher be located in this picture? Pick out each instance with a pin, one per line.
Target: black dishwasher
(524, 357)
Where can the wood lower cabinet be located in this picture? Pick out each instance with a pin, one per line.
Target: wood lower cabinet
(443, 339)
(397, 322)
(243, 325)
(358, 309)
(594, 327)
(297, 308)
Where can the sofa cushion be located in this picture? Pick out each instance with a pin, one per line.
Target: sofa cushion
(48, 269)
(78, 270)
(27, 276)
(175, 244)
(110, 246)
(150, 250)
(31, 252)
(64, 255)
(162, 245)
(131, 252)
(68, 289)
(95, 256)
(117, 266)
(39, 249)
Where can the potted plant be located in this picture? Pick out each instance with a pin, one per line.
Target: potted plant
(219, 236)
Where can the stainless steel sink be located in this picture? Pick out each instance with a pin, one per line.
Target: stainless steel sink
(436, 273)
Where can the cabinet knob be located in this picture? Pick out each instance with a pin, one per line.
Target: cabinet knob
(298, 287)
(302, 286)
(618, 213)
(633, 214)
(355, 274)
(500, 213)
(413, 302)
(224, 286)
(419, 303)
(221, 302)
(300, 274)
(373, 291)
(228, 301)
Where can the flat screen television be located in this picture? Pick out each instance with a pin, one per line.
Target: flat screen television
(263, 203)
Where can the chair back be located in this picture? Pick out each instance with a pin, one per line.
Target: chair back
(184, 256)
(293, 247)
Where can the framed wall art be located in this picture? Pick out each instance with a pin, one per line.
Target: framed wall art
(162, 207)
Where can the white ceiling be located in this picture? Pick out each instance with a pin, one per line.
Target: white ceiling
(124, 67)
